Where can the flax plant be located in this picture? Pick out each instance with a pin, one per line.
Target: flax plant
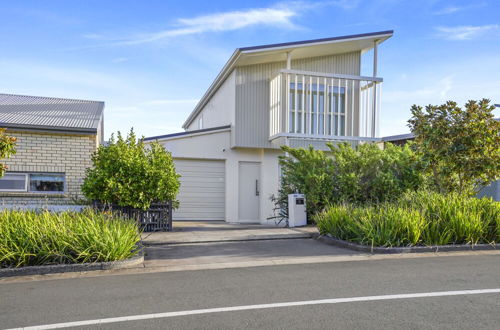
(417, 218)
(30, 238)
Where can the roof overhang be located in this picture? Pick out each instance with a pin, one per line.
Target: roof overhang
(399, 137)
(49, 129)
(179, 135)
(299, 49)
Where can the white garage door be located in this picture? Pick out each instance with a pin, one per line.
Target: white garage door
(201, 195)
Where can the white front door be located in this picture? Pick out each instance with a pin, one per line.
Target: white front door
(249, 191)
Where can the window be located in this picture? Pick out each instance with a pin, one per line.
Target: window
(14, 182)
(337, 109)
(47, 182)
(316, 109)
(200, 122)
(296, 110)
(33, 182)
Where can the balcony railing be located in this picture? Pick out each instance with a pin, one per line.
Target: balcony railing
(324, 106)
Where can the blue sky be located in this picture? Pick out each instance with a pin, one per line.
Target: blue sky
(151, 61)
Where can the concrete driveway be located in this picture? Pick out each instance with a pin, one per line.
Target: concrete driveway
(208, 245)
(219, 231)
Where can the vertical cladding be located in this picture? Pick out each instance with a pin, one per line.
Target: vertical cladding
(218, 110)
(253, 89)
(51, 153)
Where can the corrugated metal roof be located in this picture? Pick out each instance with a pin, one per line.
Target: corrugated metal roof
(37, 112)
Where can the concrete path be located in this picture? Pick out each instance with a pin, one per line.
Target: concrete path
(219, 231)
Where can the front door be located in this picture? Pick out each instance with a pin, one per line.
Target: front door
(249, 191)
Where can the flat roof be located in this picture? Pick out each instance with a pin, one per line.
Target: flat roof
(406, 136)
(197, 131)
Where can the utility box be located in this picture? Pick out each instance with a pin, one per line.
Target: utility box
(297, 215)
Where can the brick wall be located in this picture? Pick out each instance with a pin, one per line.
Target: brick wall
(50, 153)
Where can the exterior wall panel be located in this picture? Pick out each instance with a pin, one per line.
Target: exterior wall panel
(219, 110)
(253, 93)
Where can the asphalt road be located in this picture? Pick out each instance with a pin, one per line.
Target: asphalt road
(90, 298)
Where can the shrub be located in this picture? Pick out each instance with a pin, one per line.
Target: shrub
(29, 238)
(417, 218)
(310, 172)
(7, 148)
(127, 173)
(364, 174)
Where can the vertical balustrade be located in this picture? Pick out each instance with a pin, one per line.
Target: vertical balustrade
(324, 106)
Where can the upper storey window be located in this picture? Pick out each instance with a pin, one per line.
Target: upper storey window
(314, 109)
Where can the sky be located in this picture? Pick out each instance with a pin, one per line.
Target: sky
(151, 61)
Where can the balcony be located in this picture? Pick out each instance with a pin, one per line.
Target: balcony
(321, 106)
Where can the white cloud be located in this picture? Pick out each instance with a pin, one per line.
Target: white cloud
(447, 83)
(219, 22)
(454, 9)
(465, 32)
(280, 16)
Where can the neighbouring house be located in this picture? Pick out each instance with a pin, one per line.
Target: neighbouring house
(296, 94)
(55, 141)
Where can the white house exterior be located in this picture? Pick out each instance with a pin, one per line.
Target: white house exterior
(297, 94)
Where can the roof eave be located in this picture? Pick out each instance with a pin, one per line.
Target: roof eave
(285, 45)
(210, 130)
(49, 129)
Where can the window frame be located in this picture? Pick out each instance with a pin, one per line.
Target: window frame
(26, 179)
(27, 183)
(48, 174)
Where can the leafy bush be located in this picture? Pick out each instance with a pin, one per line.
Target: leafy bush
(363, 174)
(127, 173)
(7, 148)
(28, 238)
(417, 218)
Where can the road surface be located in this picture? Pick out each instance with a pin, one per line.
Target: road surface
(413, 293)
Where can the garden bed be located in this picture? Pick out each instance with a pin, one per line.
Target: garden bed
(328, 239)
(93, 240)
(133, 261)
(416, 222)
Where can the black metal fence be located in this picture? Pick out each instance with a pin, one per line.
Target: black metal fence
(157, 217)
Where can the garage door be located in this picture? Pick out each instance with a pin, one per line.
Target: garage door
(201, 195)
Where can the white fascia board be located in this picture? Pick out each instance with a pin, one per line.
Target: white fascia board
(178, 137)
(291, 47)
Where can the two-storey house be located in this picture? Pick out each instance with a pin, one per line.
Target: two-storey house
(296, 94)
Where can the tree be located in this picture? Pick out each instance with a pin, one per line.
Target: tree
(128, 173)
(460, 148)
(7, 149)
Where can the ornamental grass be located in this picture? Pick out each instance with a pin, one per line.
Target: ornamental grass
(30, 238)
(415, 219)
